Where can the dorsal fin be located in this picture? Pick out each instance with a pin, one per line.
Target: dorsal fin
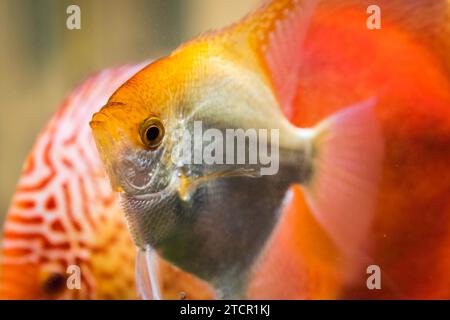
(270, 39)
(278, 45)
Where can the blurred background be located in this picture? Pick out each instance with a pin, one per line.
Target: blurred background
(41, 60)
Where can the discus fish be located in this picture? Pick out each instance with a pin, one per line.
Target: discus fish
(65, 235)
(363, 123)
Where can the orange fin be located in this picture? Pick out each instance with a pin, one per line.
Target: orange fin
(282, 50)
(347, 161)
(270, 40)
(276, 34)
(300, 261)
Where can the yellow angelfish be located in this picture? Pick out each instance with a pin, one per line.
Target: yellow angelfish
(311, 83)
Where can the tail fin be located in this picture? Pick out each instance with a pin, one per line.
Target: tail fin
(347, 160)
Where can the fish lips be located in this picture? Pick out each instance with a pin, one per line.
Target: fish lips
(152, 217)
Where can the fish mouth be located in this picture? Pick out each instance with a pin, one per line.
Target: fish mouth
(136, 171)
(152, 196)
(184, 184)
(151, 216)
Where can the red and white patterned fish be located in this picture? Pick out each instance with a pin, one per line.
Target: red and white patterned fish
(63, 212)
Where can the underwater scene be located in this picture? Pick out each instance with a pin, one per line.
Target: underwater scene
(212, 149)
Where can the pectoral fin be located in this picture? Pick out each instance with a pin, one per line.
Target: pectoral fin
(146, 275)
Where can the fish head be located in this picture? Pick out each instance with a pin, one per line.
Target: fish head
(140, 131)
(135, 133)
(30, 281)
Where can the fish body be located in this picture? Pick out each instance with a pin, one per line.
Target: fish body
(220, 81)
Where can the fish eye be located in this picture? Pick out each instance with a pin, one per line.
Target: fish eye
(152, 132)
(54, 284)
